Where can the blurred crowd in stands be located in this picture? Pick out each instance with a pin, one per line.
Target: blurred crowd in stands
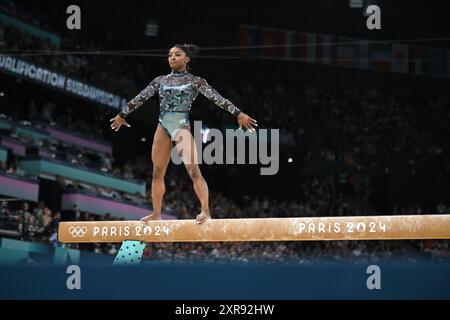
(94, 67)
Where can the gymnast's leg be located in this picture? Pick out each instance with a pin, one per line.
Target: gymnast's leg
(188, 153)
(161, 148)
(130, 253)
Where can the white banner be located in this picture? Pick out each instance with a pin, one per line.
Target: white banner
(22, 68)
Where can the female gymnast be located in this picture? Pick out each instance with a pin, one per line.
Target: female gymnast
(177, 90)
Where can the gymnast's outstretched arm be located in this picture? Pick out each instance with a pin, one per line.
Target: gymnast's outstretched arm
(143, 96)
(135, 103)
(209, 92)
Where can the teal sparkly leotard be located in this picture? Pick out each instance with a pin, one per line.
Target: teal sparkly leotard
(177, 91)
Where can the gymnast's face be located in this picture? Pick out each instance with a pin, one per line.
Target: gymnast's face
(177, 59)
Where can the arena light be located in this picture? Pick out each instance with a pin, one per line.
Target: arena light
(151, 28)
(205, 133)
(356, 3)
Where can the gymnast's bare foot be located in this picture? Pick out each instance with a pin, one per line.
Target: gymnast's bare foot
(203, 216)
(151, 216)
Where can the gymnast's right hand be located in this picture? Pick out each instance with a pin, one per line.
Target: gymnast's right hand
(117, 122)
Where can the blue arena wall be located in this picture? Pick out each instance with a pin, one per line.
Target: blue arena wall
(40, 272)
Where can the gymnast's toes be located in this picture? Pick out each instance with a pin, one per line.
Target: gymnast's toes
(202, 217)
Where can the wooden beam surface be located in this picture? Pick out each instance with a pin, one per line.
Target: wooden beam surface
(263, 229)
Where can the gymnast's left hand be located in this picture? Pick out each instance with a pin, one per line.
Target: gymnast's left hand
(247, 122)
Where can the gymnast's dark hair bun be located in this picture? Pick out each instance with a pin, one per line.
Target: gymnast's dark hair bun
(191, 51)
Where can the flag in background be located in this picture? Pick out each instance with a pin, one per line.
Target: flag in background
(249, 36)
(381, 56)
(417, 61)
(312, 48)
(436, 64)
(302, 49)
(320, 48)
(324, 49)
(364, 54)
(399, 58)
(329, 49)
(345, 52)
(307, 47)
(270, 37)
(289, 39)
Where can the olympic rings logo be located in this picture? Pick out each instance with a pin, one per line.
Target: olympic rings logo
(78, 231)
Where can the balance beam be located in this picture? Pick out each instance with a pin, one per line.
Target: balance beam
(267, 229)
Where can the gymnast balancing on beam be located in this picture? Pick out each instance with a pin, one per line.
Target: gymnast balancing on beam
(177, 90)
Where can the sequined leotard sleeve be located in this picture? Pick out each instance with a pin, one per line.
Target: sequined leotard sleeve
(143, 96)
(209, 92)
